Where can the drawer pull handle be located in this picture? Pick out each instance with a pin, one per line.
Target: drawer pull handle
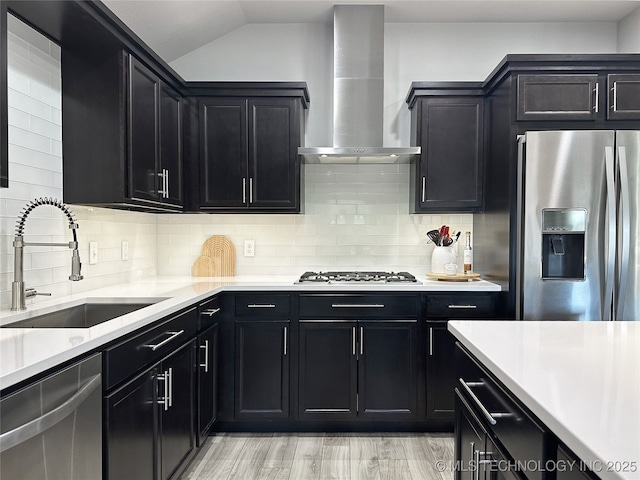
(285, 341)
(357, 305)
(261, 305)
(482, 408)
(210, 312)
(172, 335)
(431, 341)
(469, 307)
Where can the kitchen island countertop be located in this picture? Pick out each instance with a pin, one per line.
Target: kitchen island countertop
(581, 379)
(25, 352)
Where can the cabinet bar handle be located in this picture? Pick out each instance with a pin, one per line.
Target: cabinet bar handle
(206, 356)
(357, 305)
(473, 396)
(210, 312)
(285, 341)
(244, 190)
(165, 341)
(431, 341)
(171, 386)
(166, 186)
(261, 305)
(250, 189)
(353, 340)
(596, 107)
(165, 399)
(424, 188)
(361, 341)
(614, 104)
(467, 307)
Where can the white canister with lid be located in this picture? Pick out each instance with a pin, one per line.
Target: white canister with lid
(442, 256)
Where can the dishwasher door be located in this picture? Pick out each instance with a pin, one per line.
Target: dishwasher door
(53, 428)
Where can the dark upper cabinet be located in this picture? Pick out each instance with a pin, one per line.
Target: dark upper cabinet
(558, 97)
(448, 175)
(4, 120)
(565, 97)
(122, 134)
(624, 97)
(248, 154)
(262, 369)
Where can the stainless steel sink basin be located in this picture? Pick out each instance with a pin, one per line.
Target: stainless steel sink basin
(82, 316)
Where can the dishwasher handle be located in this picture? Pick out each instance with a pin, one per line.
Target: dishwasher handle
(41, 424)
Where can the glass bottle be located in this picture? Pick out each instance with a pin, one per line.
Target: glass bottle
(467, 255)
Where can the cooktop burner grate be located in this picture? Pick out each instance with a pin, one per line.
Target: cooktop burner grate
(383, 277)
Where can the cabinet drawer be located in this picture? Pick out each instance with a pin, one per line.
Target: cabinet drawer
(262, 305)
(209, 313)
(461, 306)
(358, 306)
(128, 357)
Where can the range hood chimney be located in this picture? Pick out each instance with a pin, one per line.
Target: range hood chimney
(358, 91)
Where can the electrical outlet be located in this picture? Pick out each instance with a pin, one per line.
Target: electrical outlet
(93, 253)
(249, 248)
(124, 250)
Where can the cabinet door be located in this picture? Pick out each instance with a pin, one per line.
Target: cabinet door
(470, 439)
(142, 130)
(558, 97)
(262, 369)
(207, 381)
(274, 170)
(441, 375)
(387, 369)
(130, 429)
(223, 153)
(176, 437)
(170, 133)
(449, 172)
(328, 370)
(624, 97)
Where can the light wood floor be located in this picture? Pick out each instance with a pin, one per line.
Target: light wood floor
(319, 456)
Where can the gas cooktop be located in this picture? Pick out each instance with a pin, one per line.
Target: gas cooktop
(335, 277)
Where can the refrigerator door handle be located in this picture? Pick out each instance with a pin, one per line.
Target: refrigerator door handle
(625, 232)
(610, 232)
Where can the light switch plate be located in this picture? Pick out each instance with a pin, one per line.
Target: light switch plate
(124, 251)
(93, 253)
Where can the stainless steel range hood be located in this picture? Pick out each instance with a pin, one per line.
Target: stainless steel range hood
(358, 91)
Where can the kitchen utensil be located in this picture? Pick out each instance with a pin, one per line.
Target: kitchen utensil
(434, 236)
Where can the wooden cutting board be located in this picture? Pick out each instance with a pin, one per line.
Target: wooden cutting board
(217, 258)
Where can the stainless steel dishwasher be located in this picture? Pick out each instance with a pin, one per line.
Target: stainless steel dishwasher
(52, 429)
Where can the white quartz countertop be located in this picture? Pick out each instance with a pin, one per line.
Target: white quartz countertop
(581, 379)
(25, 352)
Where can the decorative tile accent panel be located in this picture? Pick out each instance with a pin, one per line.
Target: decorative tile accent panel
(35, 170)
(355, 217)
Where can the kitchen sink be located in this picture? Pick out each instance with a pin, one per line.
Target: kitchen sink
(84, 315)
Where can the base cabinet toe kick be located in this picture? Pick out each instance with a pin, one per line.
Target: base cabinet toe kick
(498, 438)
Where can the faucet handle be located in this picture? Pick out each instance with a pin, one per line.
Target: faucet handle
(31, 292)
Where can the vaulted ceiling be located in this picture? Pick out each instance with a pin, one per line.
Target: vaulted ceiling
(173, 28)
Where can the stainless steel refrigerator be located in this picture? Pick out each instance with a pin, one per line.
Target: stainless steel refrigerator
(578, 210)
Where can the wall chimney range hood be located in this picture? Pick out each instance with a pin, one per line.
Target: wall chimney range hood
(358, 91)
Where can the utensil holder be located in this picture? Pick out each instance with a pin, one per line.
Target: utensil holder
(440, 257)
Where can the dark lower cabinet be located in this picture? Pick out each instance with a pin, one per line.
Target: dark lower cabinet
(175, 433)
(469, 442)
(358, 369)
(149, 420)
(261, 369)
(387, 369)
(441, 377)
(207, 365)
(130, 429)
(328, 371)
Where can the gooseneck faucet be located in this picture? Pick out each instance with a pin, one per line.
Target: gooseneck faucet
(18, 292)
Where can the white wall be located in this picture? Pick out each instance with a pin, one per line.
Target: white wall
(413, 52)
(35, 170)
(629, 33)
